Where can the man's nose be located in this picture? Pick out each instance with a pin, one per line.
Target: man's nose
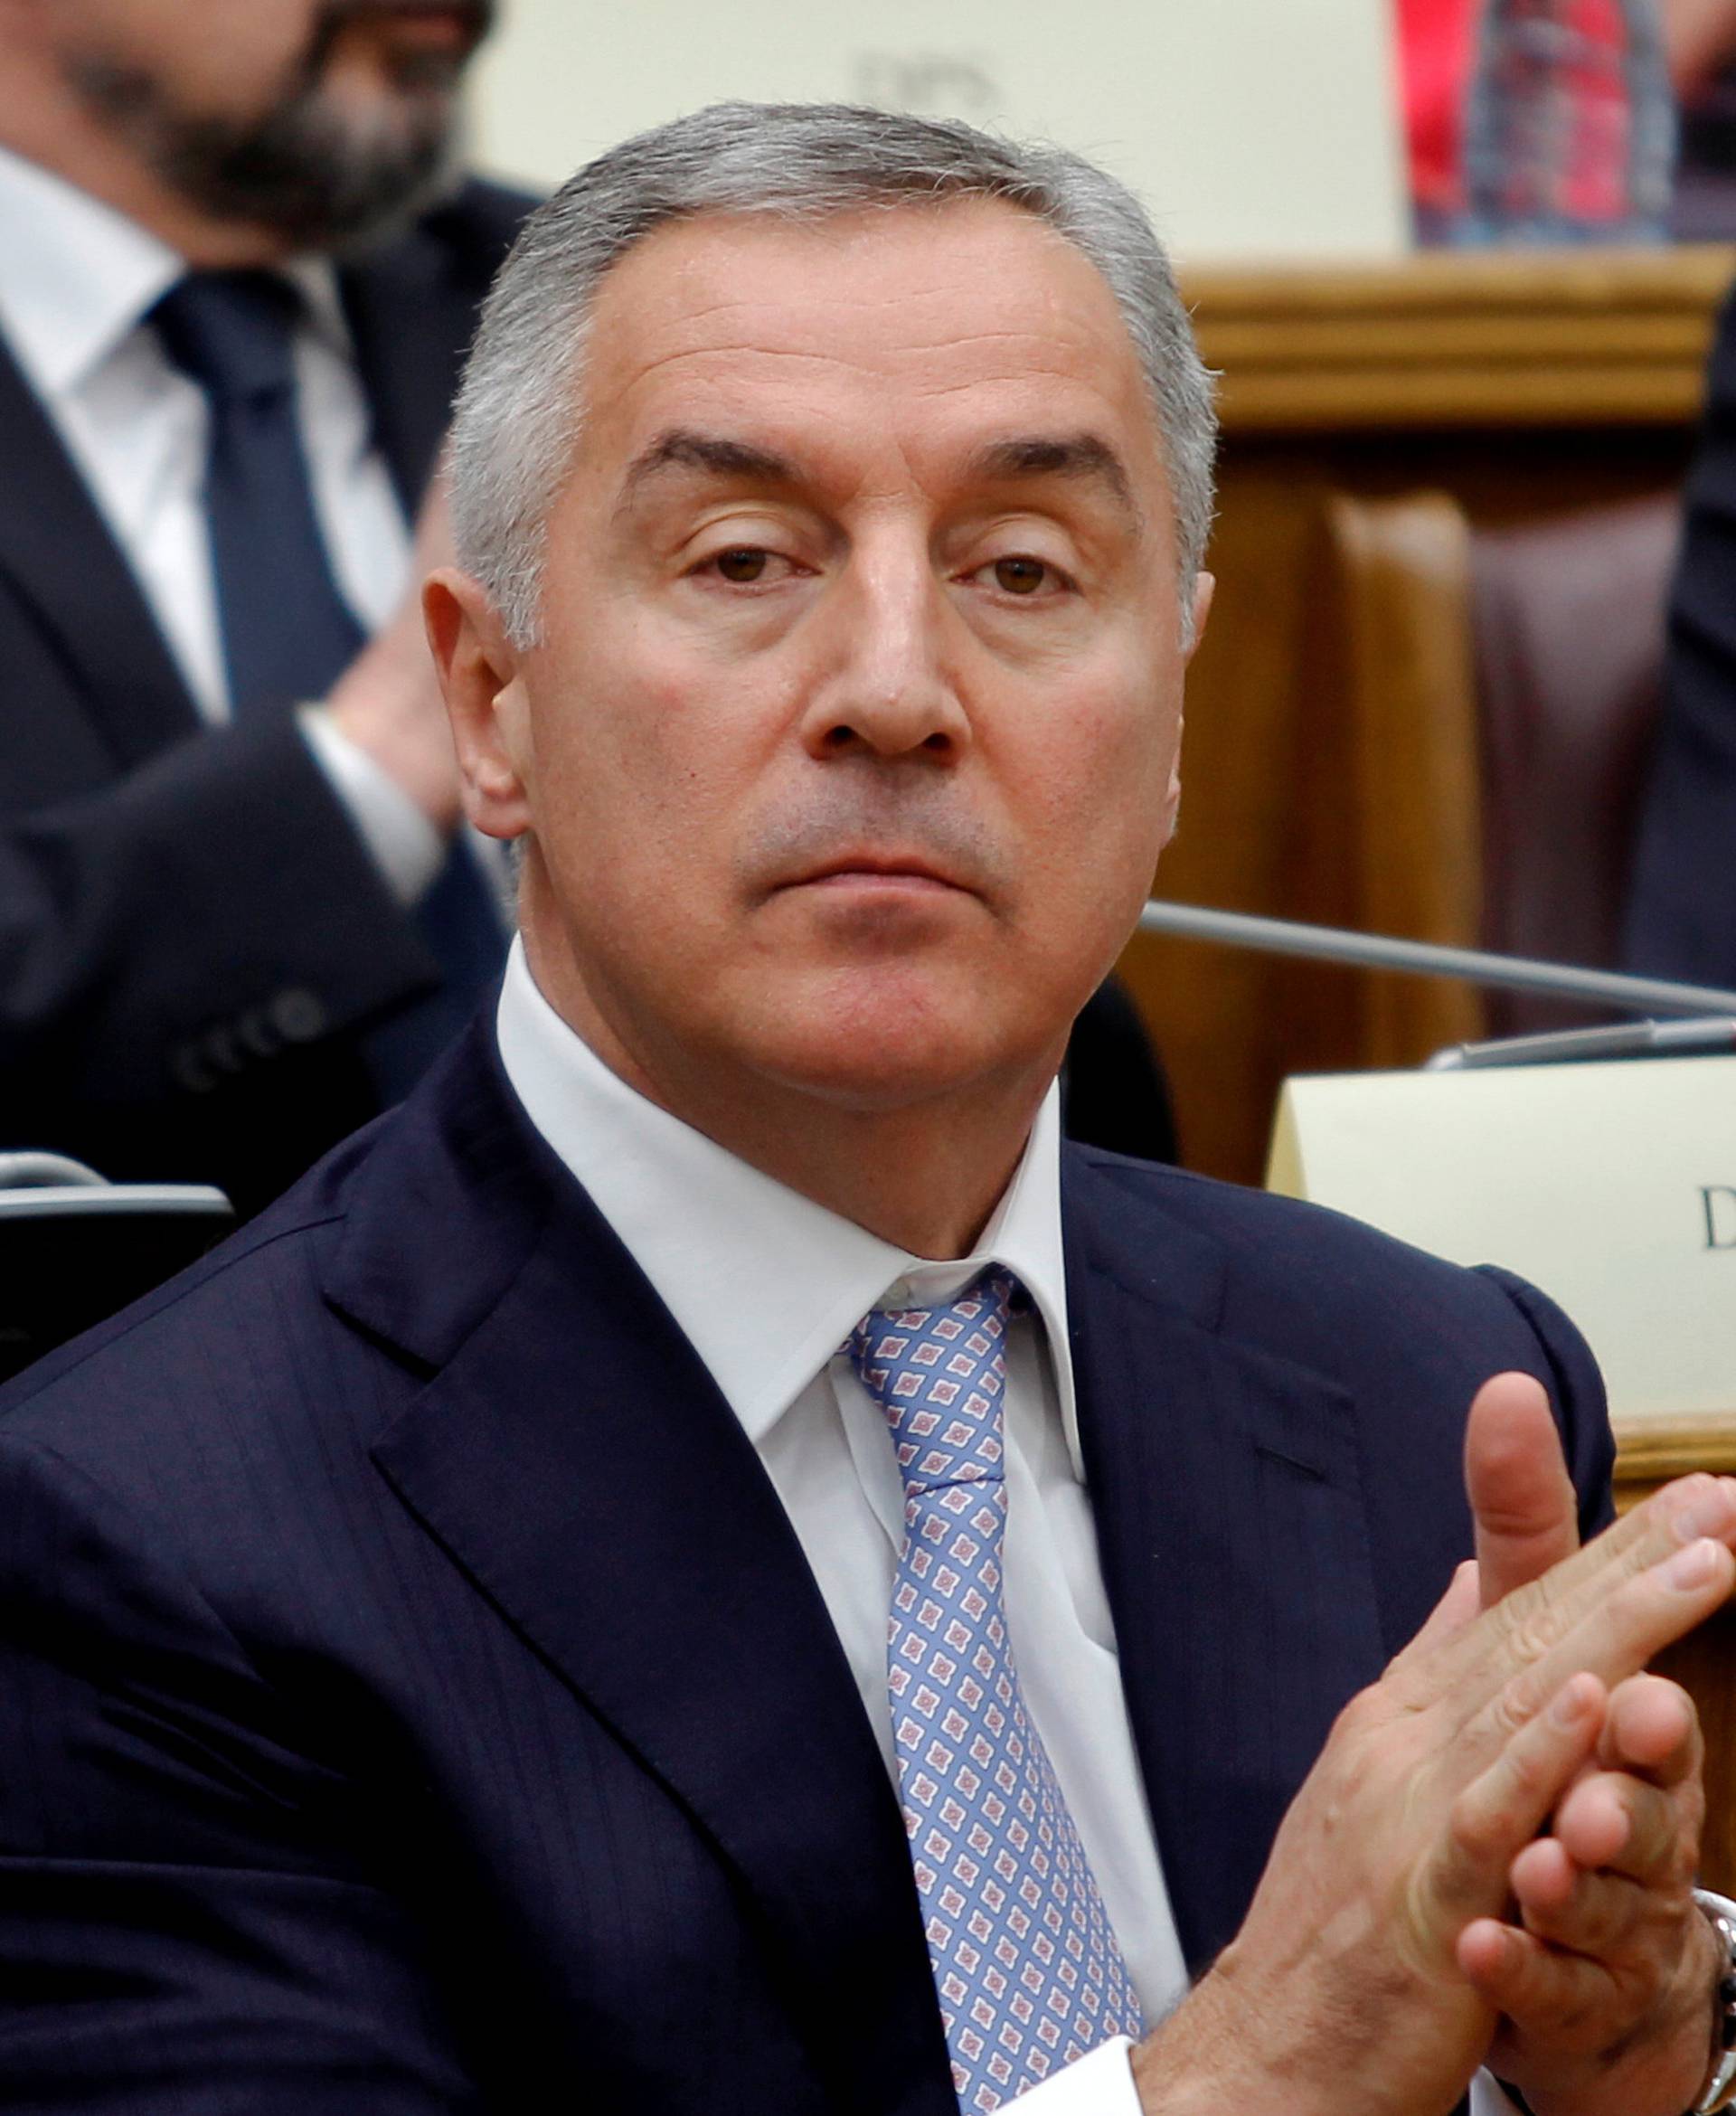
(883, 684)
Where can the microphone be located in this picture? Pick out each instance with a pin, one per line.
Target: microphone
(1512, 973)
(1693, 1037)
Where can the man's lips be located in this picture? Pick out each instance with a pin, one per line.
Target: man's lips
(872, 870)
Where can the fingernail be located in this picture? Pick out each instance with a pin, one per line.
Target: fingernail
(1692, 1567)
(1571, 1703)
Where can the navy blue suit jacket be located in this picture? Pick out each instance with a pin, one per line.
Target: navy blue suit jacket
(413, 1695)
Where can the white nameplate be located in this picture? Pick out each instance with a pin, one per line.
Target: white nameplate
(1612, 1187)
(1251, 128)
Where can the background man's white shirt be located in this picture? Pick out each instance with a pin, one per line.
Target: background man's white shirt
(767, 1285)
(77, 281)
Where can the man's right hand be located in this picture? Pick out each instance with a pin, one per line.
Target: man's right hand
(1342, 1991)
(388, 701)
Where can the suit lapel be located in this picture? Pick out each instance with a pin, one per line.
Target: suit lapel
(411, 319)
(411, 312)
(61, 558)
(1226, 1483)
(574, 1458)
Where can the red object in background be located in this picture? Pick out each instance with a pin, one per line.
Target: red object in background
(1437, 43)
(1570, 130)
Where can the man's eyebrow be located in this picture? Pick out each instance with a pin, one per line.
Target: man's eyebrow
(1086, 457)
(683, 448)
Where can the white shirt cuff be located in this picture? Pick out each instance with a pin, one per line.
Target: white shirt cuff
(1101, 2084)
(406, 847)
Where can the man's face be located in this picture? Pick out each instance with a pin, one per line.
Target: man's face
(321, 119)
(847, 750)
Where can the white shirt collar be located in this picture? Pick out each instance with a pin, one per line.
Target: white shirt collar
(764, 1284)
(77, 276)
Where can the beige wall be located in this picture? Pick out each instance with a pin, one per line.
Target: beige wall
(1252, 128)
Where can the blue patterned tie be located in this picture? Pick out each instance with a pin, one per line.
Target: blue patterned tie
(1028, 1971)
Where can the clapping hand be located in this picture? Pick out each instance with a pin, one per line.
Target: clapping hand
(1384, 1946)
(1604, 1972)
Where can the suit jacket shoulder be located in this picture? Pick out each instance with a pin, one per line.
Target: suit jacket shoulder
(519, 1748)
(1330, 1291)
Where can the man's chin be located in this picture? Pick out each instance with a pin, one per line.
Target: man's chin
(323, 168)
(879, 1059)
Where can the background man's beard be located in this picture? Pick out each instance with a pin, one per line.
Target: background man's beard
(315, 173)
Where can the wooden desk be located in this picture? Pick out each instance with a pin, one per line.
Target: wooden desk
(1516, 384)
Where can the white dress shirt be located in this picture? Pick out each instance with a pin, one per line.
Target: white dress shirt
(766, 1285)
(77, 281)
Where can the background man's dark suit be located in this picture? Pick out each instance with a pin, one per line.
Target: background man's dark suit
(192, 933)
(413, 1695)
(1682, 908)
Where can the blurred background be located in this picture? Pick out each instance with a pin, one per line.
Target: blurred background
(1250, 127)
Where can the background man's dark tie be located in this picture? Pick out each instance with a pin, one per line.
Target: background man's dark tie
(287, 631)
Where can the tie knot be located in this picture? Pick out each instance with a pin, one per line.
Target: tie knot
(938, 1373)
(233, 333)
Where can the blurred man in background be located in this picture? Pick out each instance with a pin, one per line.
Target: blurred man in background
(238, 272)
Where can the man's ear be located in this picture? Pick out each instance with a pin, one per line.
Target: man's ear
(1205, 587)
(482, 678)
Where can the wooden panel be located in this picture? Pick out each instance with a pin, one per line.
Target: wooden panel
(1263, 775)
(1705, 1663)
(1652, 1451)
(1514, 385)
(1514, 339)
(1404, 571)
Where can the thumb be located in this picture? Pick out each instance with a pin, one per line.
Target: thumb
(1521, 1498)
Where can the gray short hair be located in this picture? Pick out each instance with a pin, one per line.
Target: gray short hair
(516, 421)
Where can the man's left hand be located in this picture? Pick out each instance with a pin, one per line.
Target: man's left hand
(1605, 1989)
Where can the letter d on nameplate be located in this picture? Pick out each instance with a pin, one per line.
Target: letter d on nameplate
(1590, 1180)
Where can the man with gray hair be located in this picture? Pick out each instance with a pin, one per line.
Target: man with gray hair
(707, 1563)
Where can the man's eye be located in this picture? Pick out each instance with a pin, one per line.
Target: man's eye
(743, 566)
(1020, 576)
